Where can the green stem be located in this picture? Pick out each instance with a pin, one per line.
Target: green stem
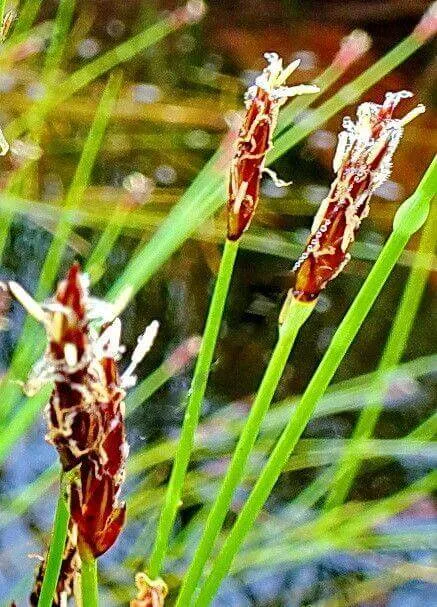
(409, 218)
(297, 314)
(196, 394)
(347, 467)
(88, 577)
(26, 16)
(56, 551)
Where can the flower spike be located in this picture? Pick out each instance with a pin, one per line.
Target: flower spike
(263, 101)
(86, 412)
(362, 161)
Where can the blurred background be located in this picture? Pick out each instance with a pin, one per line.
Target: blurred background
(178, 100)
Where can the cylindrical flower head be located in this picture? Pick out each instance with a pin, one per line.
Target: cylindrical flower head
(86, 412)
(254, 140)
(73, 413)
(362, 161)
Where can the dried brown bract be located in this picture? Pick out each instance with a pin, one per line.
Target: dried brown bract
(254, 140)
(362, 162)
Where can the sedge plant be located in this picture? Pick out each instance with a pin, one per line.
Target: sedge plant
(203, 197)
(362, 162)
(263, 101)
(409, 218)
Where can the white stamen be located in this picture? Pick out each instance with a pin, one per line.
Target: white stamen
(145, 342)
(279, 183)
(340, 152)
(420, 109)
(241, 193)
(4, 145)
(70, 354)
(27, 302)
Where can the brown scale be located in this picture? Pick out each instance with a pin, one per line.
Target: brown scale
(67, 402)
(251, 147)
(95, 509)
(93, 500)
(86, 422)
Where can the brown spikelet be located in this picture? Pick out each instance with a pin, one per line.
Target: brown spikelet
(254, 140)
(362, 163)
(86, 411)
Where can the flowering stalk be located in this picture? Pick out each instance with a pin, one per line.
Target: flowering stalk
(86, 412)
(263, 101)
(363, 161)
(409, 218)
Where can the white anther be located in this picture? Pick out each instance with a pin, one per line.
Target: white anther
(70, 354)
(145, 342)
(27, 302)
(279, 183)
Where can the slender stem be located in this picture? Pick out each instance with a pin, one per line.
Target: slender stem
(56, 551)
(409, 218)
(349, 463)
(297, 314)
(88, 577)
(194, 405)
(26, 16)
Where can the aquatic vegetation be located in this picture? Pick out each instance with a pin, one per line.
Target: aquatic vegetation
(251, 490)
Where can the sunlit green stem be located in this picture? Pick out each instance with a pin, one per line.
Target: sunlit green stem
(95, 262)
(297, 314)
(56, 551)
(88, 577)
(348, 465)
(194, 405)
(52, 60)
(93, 70)
(409, 218)
(2, 9)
